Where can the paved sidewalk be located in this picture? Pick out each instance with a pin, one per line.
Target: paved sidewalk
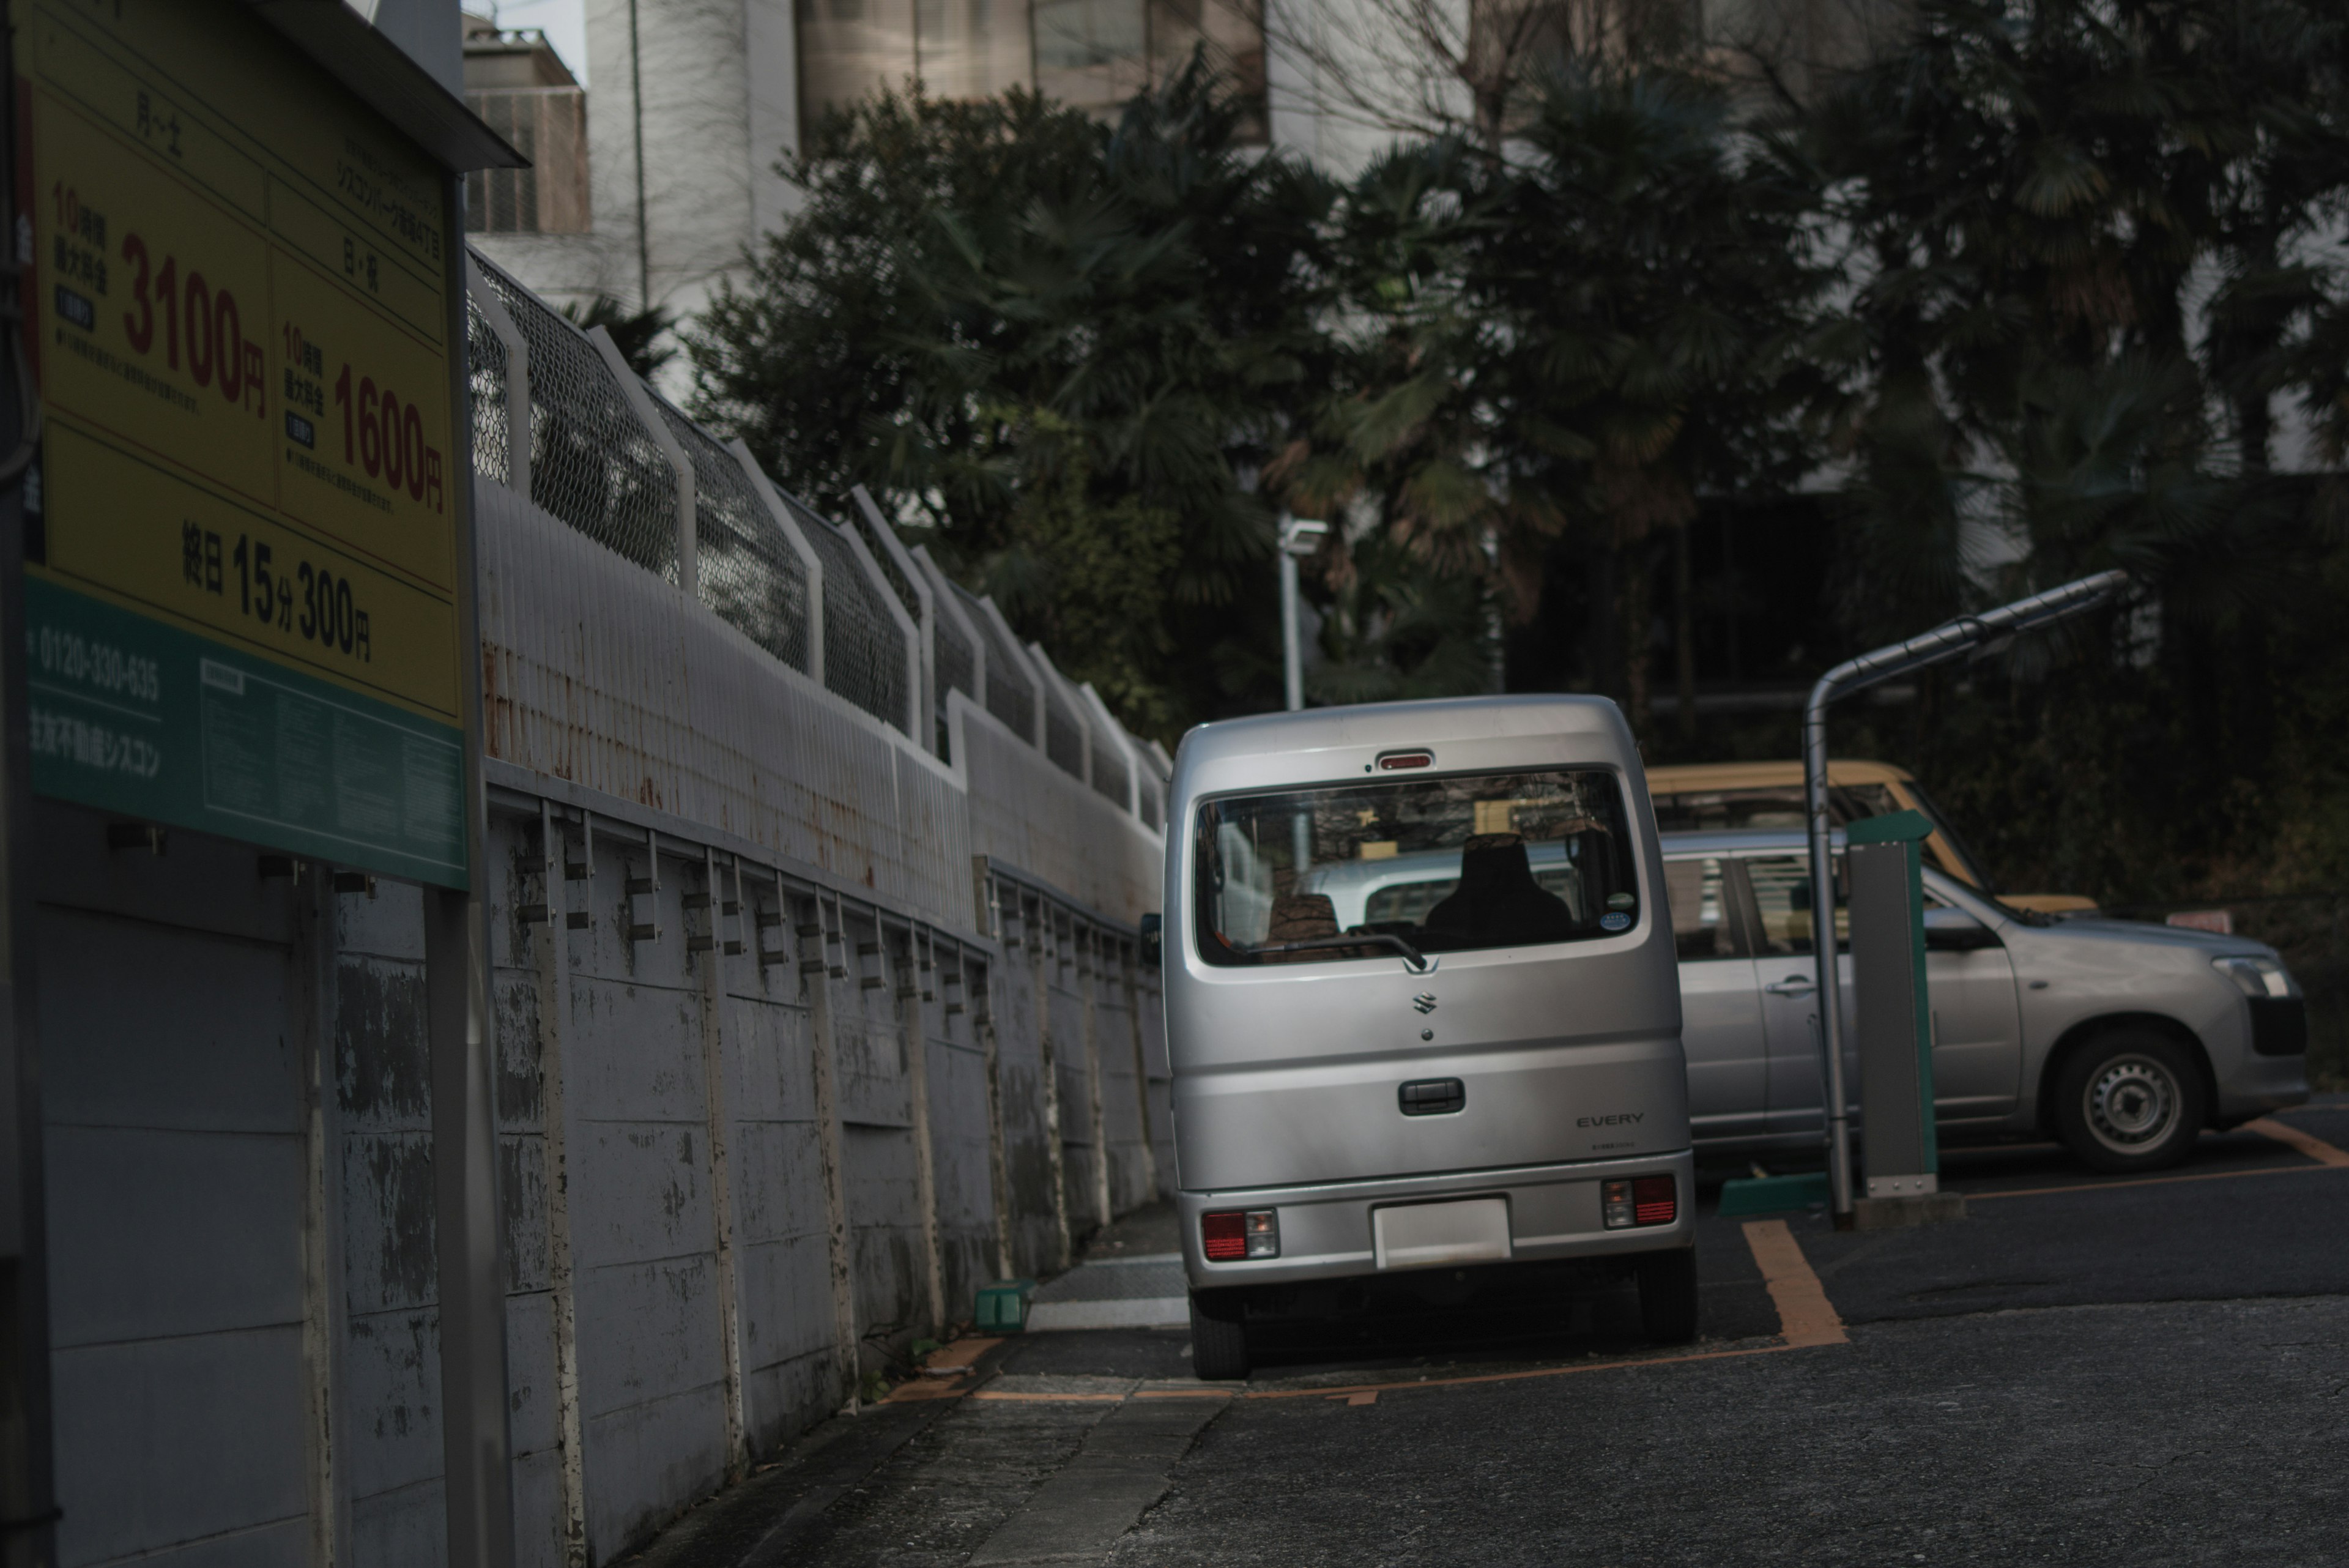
(1147, 1292)
(1130, 1276)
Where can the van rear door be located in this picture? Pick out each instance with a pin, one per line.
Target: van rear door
(1517, 1008)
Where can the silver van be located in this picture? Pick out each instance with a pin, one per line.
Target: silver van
(1374, 1077)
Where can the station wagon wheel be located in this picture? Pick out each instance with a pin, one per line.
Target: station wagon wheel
(1219, 1347)
(2130, 1100)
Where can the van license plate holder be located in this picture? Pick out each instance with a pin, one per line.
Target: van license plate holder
(1441, 1235)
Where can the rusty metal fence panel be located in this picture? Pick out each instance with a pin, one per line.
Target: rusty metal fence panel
(1010, 697)
(485, 364)
(746, 569)
(867, 658)
(592, 463)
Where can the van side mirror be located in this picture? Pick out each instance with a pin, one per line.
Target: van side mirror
(1956, 931)
(1153, 929)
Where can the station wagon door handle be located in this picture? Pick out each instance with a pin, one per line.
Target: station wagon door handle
(1792, 985)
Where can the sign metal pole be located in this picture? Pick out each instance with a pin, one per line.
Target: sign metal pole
(27, 1479)
(1951, 640)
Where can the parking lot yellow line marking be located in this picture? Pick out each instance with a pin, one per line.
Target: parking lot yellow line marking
(959, 1356)
(922, 1388)
(1404, 1387)
(2150, 1181)
(2315, 1148)
(1805, 1316)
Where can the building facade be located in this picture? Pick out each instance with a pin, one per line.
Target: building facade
(654, 186)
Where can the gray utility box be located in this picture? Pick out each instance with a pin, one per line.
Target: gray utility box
(1894, 1016)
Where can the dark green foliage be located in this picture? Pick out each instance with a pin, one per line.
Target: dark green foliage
(1047, 347)
(1655, 286)
(2021, 300)
(1562, 350)
(1398, 453)
(2083, 246)
(2039, 197)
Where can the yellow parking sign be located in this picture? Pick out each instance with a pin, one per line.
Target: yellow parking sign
(243, 571)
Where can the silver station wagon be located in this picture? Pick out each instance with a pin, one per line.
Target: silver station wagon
(2124, 1040)
(1379, 1078)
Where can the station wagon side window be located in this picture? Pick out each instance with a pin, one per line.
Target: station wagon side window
(1781, 886)
(1766, 805)
(1445, 864)
(1703, 923)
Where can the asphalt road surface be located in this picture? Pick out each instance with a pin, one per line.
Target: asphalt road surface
(2082, 1371)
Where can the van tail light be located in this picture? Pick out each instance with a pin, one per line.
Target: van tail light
(1236, 1234)
(1639, 1201)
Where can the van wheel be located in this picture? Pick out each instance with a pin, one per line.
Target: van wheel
(1219, 1347)
(2129, 1100)
(1668, 1295)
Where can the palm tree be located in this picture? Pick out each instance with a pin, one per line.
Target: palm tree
(1650, 289)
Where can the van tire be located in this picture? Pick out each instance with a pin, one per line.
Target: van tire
(1219, 1347)
(2129, 1100)
(1668, 1295)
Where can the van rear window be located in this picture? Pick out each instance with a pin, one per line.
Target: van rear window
(1444, 864)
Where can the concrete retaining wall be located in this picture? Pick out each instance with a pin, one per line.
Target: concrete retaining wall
(795, 1048)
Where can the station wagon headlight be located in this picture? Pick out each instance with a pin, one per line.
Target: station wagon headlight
(2258, 976)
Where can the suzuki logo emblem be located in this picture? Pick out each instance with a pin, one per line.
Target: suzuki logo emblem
(1425, 1001)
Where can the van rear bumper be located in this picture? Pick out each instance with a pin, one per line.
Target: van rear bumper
(1326, 1228)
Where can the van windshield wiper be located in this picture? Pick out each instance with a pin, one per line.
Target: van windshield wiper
(1410, 955)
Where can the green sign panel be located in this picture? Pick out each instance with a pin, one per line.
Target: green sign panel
(135, 716)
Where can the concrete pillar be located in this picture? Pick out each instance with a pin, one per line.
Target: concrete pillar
(819, 933)
(705, 949)
(552, 949)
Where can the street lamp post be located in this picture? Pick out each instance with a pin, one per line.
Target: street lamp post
(1299, 537)
(1948, 641)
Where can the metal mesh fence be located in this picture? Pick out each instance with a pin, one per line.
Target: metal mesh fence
(485, 376)
(1064, 738)
(957, 668)
(866, 659)
(899, 583)
(597, 467)
(1008, 697)
(1110, 777)
(592, 463)
(748, 571)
